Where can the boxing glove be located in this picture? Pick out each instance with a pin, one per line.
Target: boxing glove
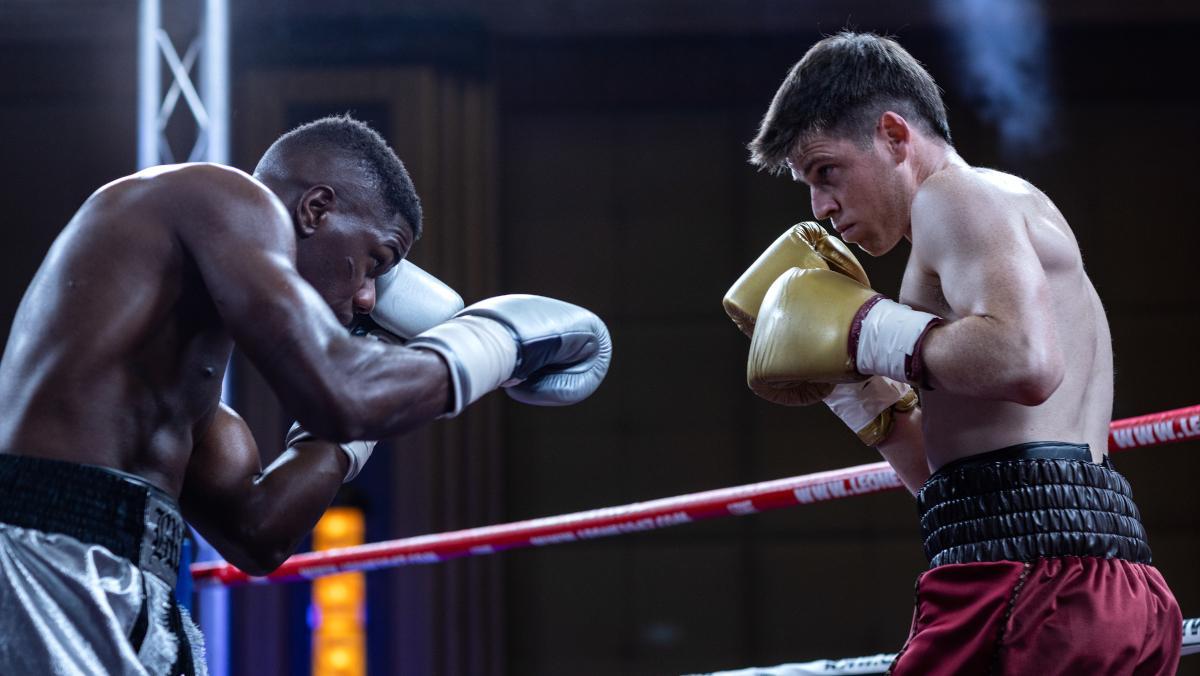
(542, 351)
(821, 326)
(868, 407)
(357, 452)
(805, 246)
(409, 300)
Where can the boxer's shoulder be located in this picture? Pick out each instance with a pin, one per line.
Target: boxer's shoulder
(963, 180)
(204, 190)
(203, 203)
(969, 211)
(961, 195)
(211, 187)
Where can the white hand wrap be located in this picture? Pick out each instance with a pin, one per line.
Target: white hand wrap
(481, 353)
(409, 300)
(888, 342)
(356, 451)
(865, 406)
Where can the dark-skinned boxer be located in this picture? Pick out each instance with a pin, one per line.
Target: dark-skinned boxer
(112, 429)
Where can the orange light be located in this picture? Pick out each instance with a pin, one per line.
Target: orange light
(339, 638)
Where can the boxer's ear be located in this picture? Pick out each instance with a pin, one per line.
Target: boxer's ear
(893, 131)
(312, 209)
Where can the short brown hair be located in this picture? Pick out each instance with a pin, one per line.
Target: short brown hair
(841, 86)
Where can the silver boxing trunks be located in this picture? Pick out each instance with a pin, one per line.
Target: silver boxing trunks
(88, 562)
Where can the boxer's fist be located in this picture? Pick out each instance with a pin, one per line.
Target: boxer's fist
(541, 350)
(869, 407)
(806, 246)
(802, 336)
(823, 327)
(357, 452)
(409, 300)
(564, 350)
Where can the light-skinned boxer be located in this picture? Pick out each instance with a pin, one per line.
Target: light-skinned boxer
(1038, 559)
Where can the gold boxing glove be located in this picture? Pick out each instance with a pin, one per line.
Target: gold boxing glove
(805, 245)
(803, 333)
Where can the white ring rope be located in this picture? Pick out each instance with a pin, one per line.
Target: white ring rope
(878, 664)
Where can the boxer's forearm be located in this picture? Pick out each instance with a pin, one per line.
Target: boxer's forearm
(262, 522)
(406, 389)
(255, 517)
(379, 391)
(983, 357)
(904, 449)
(290, 496)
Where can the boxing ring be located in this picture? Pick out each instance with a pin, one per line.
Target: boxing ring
(1139, 432)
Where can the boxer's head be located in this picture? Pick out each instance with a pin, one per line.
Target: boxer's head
(844, 122)
(353, 205)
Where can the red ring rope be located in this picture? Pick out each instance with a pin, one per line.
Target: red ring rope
(1153, 429)
(1148, 430)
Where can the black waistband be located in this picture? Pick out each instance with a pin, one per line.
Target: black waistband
(1030, 501)
(118, 511)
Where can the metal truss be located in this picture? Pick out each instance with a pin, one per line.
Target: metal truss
(207, 104)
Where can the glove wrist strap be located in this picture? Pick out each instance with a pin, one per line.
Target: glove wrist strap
(480, 352)
(886, 340)
(357, 452)
(866, 407)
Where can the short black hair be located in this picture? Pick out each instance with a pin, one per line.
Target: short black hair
(355, 139)
(841, 86)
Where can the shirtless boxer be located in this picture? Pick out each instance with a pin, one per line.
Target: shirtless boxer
(1039, 562)
(111, 383)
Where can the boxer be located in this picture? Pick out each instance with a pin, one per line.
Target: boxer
(113, 432)
(1038, 559)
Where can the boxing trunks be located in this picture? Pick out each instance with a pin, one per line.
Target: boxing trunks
(88, 561)
(1038, 565)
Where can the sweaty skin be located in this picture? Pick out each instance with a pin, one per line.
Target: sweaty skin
(990, 248)
(118, 349)
(1025, 351)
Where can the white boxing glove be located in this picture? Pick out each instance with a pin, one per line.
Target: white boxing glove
(543, 351)
(356, 451)
(409, 300)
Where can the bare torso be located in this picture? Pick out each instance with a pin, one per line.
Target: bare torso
(1080, 409)
(117, 353)
(118, 350)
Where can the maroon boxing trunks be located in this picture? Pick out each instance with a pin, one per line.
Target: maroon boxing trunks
(1039, 565)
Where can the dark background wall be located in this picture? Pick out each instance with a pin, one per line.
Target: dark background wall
(621, 184)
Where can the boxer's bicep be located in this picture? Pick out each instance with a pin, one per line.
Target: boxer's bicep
(986, 264)
(1002, 342)
(219, 481)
